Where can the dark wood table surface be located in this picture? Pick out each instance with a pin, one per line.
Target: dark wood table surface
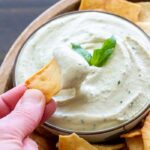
(15, 15)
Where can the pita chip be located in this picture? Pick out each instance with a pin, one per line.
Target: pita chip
(145, 26)
(135, 143)
(47, 80)
(145, 12)
(132, 133)
(110, 147)
(74, 142)
(122, 8)
(146, 133)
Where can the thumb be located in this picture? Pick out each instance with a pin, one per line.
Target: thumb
(25, 117)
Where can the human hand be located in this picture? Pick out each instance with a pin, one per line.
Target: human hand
(21, 111)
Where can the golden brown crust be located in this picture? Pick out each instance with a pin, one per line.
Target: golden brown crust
(122, 8)
(47, 80)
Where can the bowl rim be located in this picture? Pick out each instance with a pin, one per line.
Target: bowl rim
(110, 129)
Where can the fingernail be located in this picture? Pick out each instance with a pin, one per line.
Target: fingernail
(33, 96)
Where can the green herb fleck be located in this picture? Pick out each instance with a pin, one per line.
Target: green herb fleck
(131, 104)
(101, 55)
(82, 121)
(81, 51)
(129, 92)
(66, 39)
(121, 102)
(119, 82)
(94, 126)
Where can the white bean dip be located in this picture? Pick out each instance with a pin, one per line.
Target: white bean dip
(92, 98)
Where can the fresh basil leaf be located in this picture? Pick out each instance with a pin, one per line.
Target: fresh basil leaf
(76, 47)
(101, 55)
(109, 43)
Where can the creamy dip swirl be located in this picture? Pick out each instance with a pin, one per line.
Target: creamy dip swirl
(93, 98)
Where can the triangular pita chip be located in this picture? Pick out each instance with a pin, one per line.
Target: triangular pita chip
(132, 133)
(146, 133)
(92, 4)
(135, 143)
(47, 80)
(145, 26)
(122, 8)
(74, 142)
(145, 12)
(110, 147)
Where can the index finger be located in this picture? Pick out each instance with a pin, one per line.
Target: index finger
(9, 99)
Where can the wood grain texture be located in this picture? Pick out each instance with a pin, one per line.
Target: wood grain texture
(8, 63)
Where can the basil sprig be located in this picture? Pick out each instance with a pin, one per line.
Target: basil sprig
(87, 56)
(100, 55)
